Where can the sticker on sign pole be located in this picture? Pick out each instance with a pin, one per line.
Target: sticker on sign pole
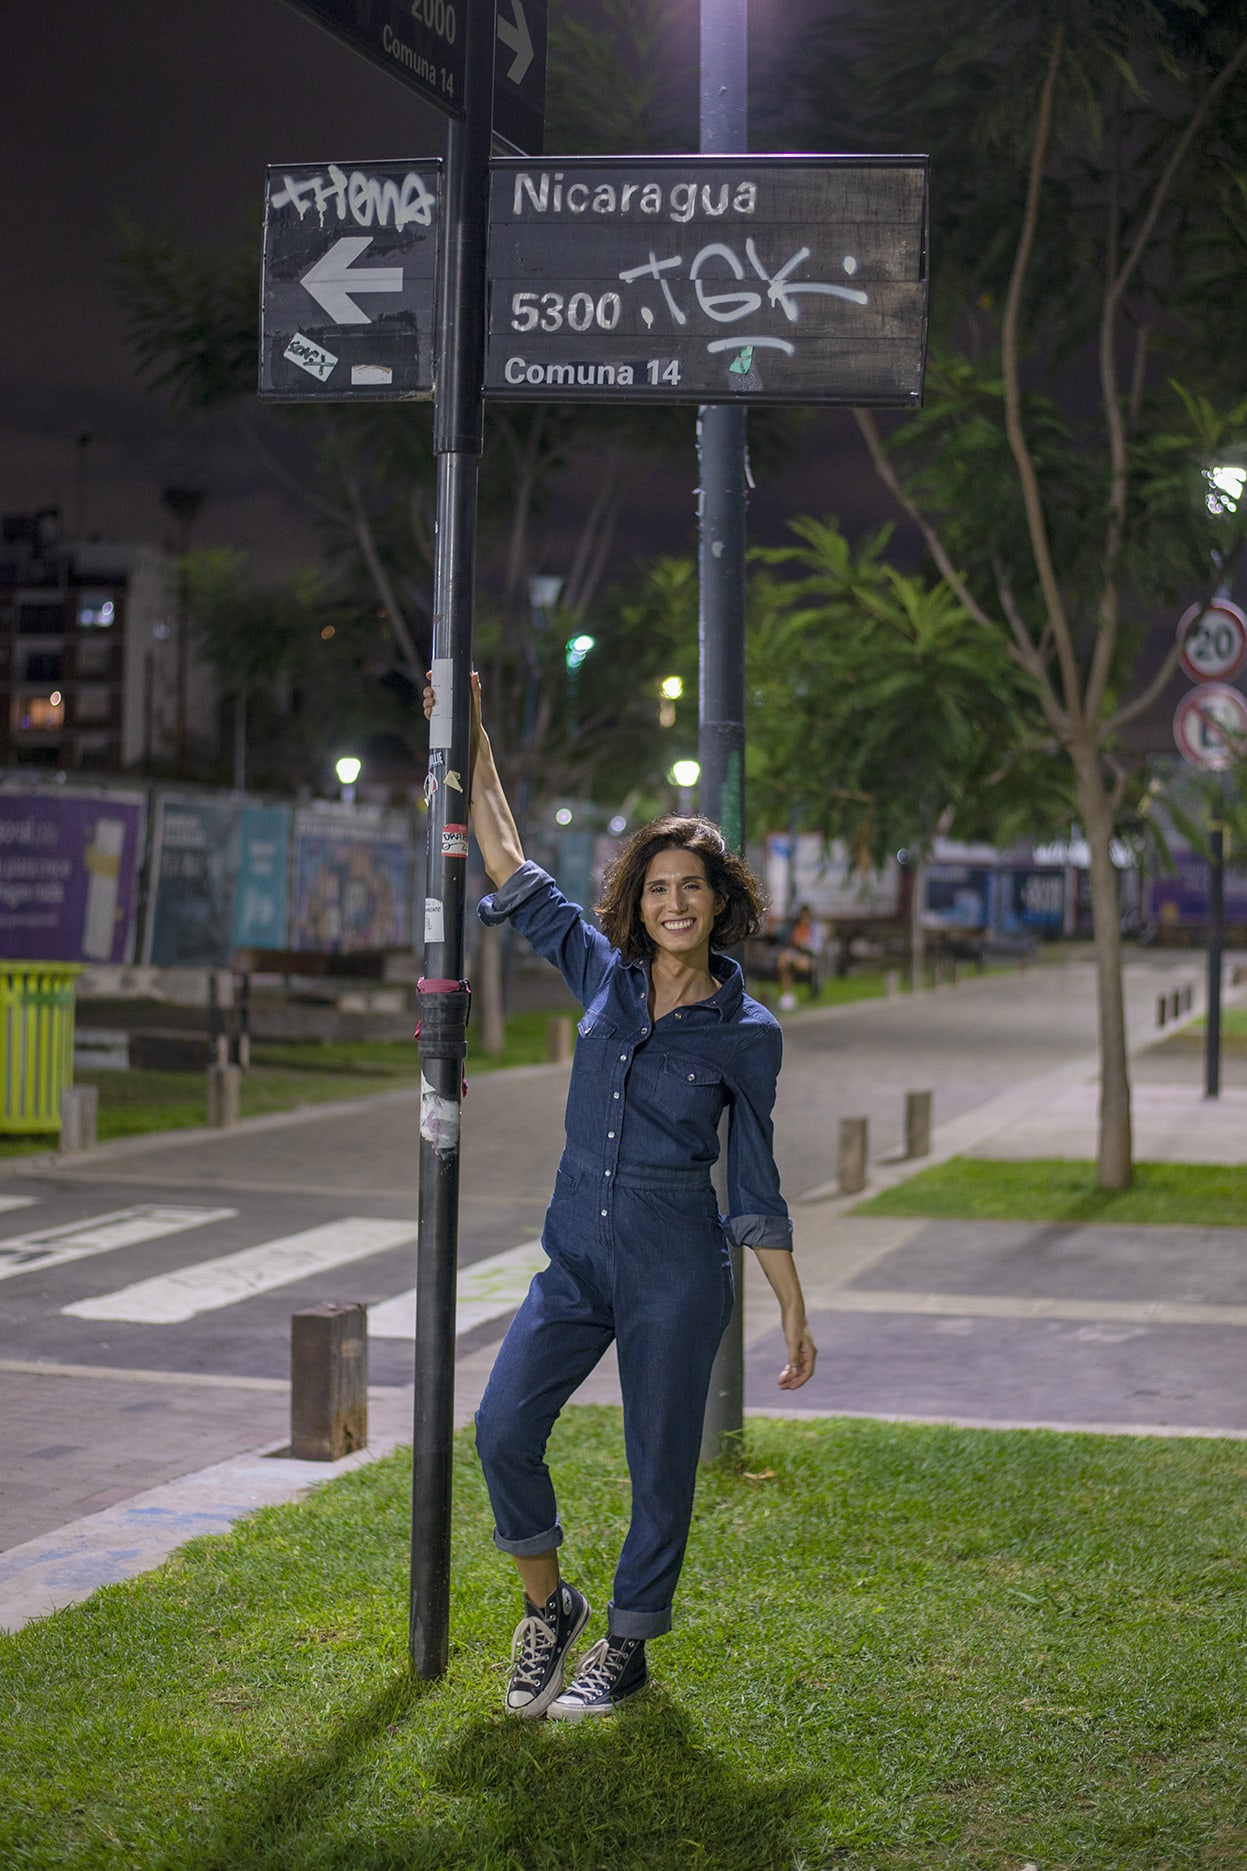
(454, 841)
(1214, 641)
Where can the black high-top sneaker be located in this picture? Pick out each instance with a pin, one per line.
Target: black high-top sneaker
(539, 1649)
(609, 1673)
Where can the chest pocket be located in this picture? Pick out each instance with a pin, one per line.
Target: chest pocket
(595, 1044)
(694, 1086)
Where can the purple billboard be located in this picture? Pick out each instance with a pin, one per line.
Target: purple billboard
(68, 875)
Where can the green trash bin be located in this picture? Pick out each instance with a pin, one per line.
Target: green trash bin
(36, 1043)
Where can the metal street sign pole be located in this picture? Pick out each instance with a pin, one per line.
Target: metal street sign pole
(1216, 938)
(458, 440)
(722, 443)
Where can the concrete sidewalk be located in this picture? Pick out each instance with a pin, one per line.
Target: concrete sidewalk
(1024, 1304)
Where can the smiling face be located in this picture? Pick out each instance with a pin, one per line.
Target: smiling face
(678, 907)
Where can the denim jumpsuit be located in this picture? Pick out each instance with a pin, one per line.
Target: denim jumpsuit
(638, 1250)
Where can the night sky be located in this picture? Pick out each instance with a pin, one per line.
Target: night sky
(169, 113)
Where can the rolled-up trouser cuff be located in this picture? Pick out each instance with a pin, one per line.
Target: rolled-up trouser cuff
(525, 1549)
(637, 1623)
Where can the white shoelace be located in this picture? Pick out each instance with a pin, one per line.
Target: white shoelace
(593, 1677)
(530, 1647)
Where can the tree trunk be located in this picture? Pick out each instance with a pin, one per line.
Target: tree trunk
(1115, 1148)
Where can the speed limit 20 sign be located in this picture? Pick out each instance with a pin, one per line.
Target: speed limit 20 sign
(1214, 641)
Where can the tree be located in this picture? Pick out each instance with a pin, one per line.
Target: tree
(1089, 179)
(870, 689)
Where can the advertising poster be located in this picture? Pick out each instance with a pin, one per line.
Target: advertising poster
(194, 856)
(819, 871)
(68, 875)
(959, 896)
(260, 888)
(352, 879)
(1180, 899)
(1032, 900)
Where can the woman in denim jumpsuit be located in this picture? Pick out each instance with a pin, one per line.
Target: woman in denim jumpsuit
(638, 1250)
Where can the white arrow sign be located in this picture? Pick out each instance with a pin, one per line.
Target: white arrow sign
(331, 281)
(517, 38)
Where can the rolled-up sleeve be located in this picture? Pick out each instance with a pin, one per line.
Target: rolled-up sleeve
(757, 1212)
(533, 903)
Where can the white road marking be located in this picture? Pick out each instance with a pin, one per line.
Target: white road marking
(17, 1201)
(207, 1285)
(486, 1290)
(100, 1234)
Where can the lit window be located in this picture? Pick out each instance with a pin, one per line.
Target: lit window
(38, 714)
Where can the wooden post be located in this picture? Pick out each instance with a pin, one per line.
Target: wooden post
(1162, 1009)
(80, 1106)
(851, 1170)
(328, 1381)
(917, 1123)
(559, 1039)
(224, 1096)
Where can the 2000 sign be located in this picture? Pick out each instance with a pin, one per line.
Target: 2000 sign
(438, 17)
(549, 311)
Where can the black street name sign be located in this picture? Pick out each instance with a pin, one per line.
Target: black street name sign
(520, 75)
(762, 279)
(347, 306)
(420, 42)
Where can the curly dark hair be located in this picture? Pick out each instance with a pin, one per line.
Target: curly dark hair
(619, 911)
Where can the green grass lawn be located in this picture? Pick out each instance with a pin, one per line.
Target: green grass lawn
(1233, 1024)
(283, 1076)
(1064, 1189)
(897, 1649)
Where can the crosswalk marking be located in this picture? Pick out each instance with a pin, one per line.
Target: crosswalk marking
(486, 1290)
(172, 1298)
(100, 1234)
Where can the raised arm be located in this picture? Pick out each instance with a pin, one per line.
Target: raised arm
(492, 819)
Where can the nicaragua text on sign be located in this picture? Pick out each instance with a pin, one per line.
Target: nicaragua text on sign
(347, 307)
(683, 279)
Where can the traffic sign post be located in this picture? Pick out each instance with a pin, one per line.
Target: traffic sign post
(722, 507)
(1210, 728)
(346, 306)
(458, 440)
(751, 279)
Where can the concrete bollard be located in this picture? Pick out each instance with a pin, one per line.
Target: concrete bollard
(559, 1039)
(224, 1096)
(851, 1169)
(892, 982)
(917, 1123)
(80, 1110)
(328, 1381)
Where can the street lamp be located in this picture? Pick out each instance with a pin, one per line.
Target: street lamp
(578, 648)
(685, 774)
(670, 689)
(348, 770)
